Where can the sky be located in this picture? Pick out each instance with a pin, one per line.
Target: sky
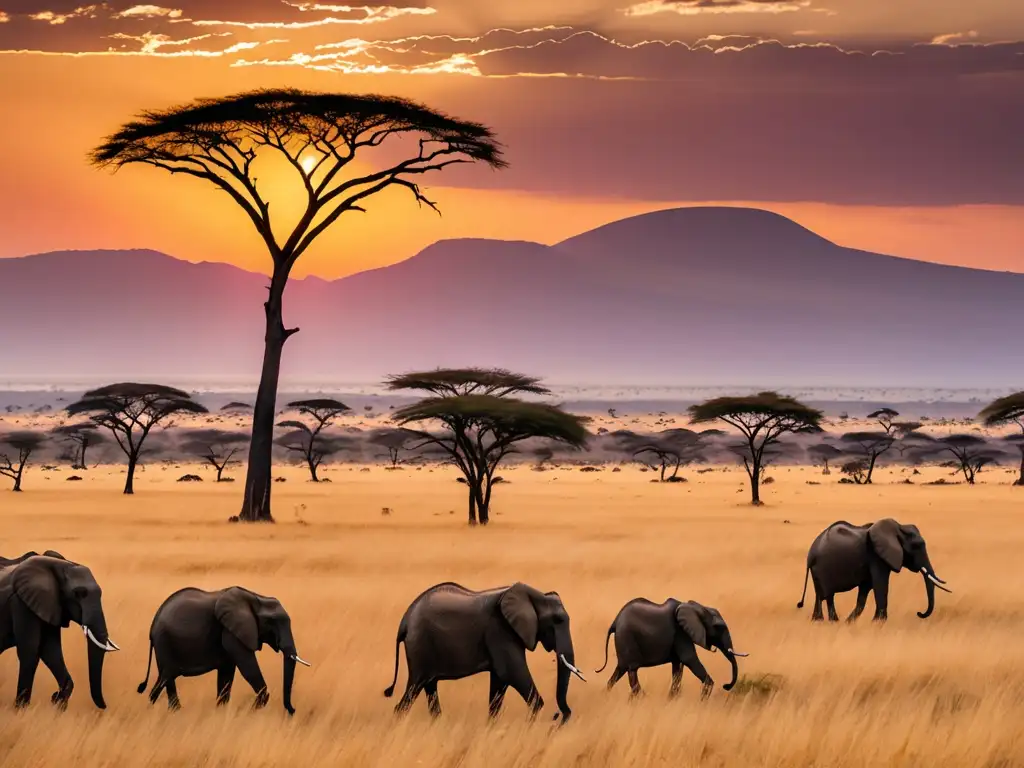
(889, 125)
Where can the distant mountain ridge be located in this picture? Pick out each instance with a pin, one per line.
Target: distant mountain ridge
(680, 296)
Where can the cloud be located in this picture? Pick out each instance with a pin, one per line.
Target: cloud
(148, 12)
(4, 18)
(953, 37)
(695, 7)
(55, 19)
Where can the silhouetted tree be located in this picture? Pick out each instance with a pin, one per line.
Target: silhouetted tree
(823, 453)
(307, 439)
(670, 448)
(856, 470)
(868, 446)
(236, 407)
(762, 419)
(970, 453)
(216, 447)
(482, 422)
(394, 441)
(130, 411)
(1003, 411)
(21, 444)
(324, 138)
(82, 434)
(885, 416)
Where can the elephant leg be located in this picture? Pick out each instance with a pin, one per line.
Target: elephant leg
(677, 679)
(862, 600)
(831, 602)
(173, 702)
(412, 690)
(521, 680)
(497, 695)
(225, 677)
(816, 614)
(693, 664)
(249, 668)
(28, 640)
(52, 655)
(880, 584)
(617, 674)
(634, 684)
(433, 702)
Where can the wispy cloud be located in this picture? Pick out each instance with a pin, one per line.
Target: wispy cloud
(358, 15)
(148, 12)
(55, 19)
(4, 18)
(696, 7)
(954, 37)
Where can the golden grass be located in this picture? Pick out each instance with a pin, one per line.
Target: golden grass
(946, 691)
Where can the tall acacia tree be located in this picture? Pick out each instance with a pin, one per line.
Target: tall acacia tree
(1004, 411)
(24, 444)
(482, 422)
(762, 419)
(325, 139)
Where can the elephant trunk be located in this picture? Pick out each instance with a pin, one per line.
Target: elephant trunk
(94, 625)
(289, 678)
(565, 662)
(735, 669)
(96, 656)
(929, 587)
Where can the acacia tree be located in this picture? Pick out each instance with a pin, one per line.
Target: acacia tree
(670, 448)
(867, 446)
(131, 411)
(482, 422)
(324, 138)
(394, 441)
(21, 444)
(1004, 411)
(970, 453)
(309, 440)
(762, 419)
(82, 434)
(216, 447)
(823, 453)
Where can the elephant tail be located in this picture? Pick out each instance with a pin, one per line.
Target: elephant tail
(611, 629)
(398, 642)
(149, 665)
(807, 574)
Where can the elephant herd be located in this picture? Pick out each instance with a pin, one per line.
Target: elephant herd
(450, 632)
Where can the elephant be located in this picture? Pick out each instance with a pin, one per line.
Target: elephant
(845, 556)
(451, 632)
(649, 634)
(39, 595)
(195, 632)
(6, 562)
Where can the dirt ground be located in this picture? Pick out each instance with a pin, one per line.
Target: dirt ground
(948, 690)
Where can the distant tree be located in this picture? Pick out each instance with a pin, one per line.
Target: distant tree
(22, 445)
(823, 453)
(668, 449)
(868, 446)
(762, 419)
(482, 422)
(308, 440)
(236, 407)
(1004, 411)
(885, 417)
(857, 470)
(970, 453)
(81, 434)
(325, 139)
(131, 411)
(394, 441)
(543, 454)
(216, 447)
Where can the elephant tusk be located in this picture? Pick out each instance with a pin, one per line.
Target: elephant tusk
(301, 661)
(932, 576)
(737, 653)
(934, 581)
(572, 668)
(106, 647)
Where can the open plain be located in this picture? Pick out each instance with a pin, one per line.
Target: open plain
(948, 690)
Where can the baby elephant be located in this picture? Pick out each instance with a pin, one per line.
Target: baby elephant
(195, 632)
(649, 635)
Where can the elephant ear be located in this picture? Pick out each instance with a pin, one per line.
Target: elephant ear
(36, 584)
(233, 610)
(688, 617)
(884, 538)
(518, 610)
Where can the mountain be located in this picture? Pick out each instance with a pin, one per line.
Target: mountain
(681, 296)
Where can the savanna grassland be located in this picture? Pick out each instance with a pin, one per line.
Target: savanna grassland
(948, 690)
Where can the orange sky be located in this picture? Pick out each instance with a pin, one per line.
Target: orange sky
(834, 147)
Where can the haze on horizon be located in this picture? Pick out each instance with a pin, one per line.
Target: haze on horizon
(888, 126)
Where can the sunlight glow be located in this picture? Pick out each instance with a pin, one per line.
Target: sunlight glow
(308, 163)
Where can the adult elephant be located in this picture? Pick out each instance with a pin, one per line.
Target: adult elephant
(38, 596)
(649, 634)
(451, 632)
(846, 556)
(6, 562)
(195, 632)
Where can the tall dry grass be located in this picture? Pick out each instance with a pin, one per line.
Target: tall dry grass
(945, 691)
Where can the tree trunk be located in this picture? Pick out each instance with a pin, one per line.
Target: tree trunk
(755, 482)
(312, 470)
(871, 468)
(256, 503)
(484, 499)
(17, 479)
(826, 471)
(129, 481)
(1020, 480)
(220, 469)
(81, 456)
(472, 502)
